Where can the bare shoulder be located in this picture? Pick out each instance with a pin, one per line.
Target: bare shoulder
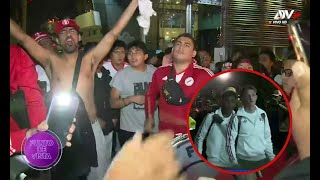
(56, 59)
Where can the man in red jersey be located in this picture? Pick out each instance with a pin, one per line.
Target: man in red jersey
(187, 74)
(23, 76)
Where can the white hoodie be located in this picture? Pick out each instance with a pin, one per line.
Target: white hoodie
(254, 138)
(216, 140)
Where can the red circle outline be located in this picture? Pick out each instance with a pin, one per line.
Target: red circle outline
(288, 136)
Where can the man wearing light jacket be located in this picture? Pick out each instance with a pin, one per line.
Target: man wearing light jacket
(214, 130)
(253, 147)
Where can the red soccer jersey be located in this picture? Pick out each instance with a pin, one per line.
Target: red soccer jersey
(171, 116)
(23, 75)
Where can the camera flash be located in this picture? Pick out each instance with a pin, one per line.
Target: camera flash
(64, 99)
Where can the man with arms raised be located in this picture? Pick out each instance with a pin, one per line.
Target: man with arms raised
(60, 69)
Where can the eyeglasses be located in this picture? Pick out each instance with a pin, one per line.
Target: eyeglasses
(287, 72)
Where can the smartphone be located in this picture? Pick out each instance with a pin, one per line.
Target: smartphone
(61, 113)
(299, 32)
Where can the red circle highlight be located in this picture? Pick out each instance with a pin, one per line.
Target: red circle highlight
(290, 121)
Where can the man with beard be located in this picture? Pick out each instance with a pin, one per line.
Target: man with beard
(88, 150)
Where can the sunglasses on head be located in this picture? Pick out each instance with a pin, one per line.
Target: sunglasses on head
(287, 72)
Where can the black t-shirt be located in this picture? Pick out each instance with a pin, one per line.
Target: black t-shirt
(102, 96)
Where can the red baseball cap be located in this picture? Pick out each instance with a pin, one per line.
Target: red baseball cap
(66, 23)
(38, 36)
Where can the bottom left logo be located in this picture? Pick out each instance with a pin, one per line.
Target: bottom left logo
(42, 150)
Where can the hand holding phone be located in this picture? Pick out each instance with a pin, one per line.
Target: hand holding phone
(61, 115)
(299, 32)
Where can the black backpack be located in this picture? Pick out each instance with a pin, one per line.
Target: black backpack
(215, 119)
(172, 91)
(18, 109)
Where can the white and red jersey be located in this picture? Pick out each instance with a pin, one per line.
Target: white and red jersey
(171, 116)
(109, 66)
(42, 76)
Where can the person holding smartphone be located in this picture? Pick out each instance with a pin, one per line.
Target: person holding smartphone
(27, 107)
(87, 160)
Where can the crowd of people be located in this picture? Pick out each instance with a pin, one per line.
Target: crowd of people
(122, 92)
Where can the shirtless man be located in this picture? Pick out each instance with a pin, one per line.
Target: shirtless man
(60, 68)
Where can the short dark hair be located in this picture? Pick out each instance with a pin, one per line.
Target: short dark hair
(247, 87)
(260, 68)
(187, 35)
(240, 60)
(138, 44)
(117, 44)
(167, 50)
(160, 55)
(270, 53)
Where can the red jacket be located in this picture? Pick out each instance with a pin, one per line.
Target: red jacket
(23, 74)
(171, 116)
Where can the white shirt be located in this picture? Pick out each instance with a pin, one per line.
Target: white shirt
(254, 138)
(216, 139)
(108, 66)
(278, 79)
(179, 77)
(42, 76)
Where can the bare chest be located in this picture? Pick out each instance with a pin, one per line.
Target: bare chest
(62, 78)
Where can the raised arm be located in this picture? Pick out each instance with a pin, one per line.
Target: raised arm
(39, 53)
(104, 46)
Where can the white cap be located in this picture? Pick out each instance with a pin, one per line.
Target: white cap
(231, 89)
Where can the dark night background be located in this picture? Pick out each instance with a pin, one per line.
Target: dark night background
(39, 11)
(238, 80)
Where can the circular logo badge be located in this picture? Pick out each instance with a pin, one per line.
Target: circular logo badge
(65, 22)
(42, 150)
(189, 81)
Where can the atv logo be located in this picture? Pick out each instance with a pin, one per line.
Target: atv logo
(283, 17)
